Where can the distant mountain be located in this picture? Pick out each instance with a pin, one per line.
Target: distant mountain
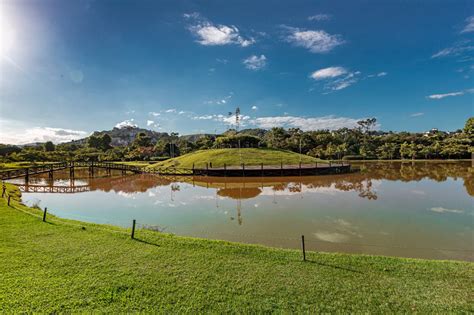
(125, 135)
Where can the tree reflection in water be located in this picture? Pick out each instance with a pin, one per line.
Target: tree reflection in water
(246, 188)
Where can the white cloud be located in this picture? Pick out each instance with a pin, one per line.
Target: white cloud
(444, 210)
(338, 78)
(319, 17)
(469, 27)
(220, 101)
(149, 122)
(154, 114)
(305, 123)
(417, 114)
(441, 96)
(254, 107)
(333, 237)
(222, 60)
(330, 72)
(255, 62)
(209, 34)
(126, 123)
(340, 83)
(171, 110)
(457, 49)
(40, 134)
(203, 117)
(231, 120)
(315, 41)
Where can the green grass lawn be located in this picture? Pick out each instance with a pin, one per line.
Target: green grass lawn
(70, 266)
(234, 157)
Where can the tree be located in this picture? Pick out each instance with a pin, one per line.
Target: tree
(469, 128)
(105, 141)
(341, 150)
(408, 150)
(93, 142)
(387, 150)
(141, 140)
(425, 150)
(276, 137)
(367, 124)
(204, 142)
(49, 146)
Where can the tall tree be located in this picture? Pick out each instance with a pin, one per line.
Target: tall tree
(49, 146)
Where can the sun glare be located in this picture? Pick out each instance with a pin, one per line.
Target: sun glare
(7, 34)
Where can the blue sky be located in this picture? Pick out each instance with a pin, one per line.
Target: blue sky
(68, 68)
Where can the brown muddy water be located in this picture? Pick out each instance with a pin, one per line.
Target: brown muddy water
(420, 209)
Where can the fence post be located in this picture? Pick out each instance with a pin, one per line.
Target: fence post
(225, 170)
(302, 245)
(3, 190)
(9, 200)
(44, 214)
(133, 229)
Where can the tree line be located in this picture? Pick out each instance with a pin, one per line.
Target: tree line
(362, 142)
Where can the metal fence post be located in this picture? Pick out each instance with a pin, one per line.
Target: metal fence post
(133, 228)
(302, 245)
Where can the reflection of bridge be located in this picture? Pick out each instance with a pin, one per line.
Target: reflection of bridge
(50, 168)
(53, 189)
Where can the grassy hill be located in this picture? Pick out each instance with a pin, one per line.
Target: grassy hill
(234, 157)
(65, 266)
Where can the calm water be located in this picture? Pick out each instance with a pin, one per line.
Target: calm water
(401, 209)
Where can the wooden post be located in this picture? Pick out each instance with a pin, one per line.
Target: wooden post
(300, 168)
(27, 174)
(3, 191)
(261, 167)
(9, 200)
(133, 229)
(44, 214)
(302, 245)
(225, 170)
(281, 168)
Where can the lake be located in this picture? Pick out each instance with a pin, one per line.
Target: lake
(409, 209)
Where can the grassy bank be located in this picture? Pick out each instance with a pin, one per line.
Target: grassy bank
(63, 265)
(235, 157)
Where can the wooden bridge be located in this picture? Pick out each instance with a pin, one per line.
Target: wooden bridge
(319, 168)
(50, 168)
(53, 189)
(274, 170)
